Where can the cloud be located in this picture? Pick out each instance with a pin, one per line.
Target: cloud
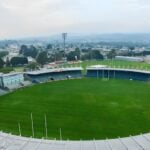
(30, 17)
(42, 17)
(145, 2)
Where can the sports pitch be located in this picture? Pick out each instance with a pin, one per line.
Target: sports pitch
(82, 108)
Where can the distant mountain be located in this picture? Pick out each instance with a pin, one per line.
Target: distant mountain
(138, 37)
(112, 37)
(116, 37)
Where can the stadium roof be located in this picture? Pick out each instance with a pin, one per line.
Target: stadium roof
(119, 69)
(98, 66)
(43, 71)
(11, 142)
(9, 74)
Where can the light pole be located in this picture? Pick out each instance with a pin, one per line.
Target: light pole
(64, 37)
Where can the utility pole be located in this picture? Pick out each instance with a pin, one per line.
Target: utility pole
(32, 125)
(46, 126)
(60, 134)
(64, 36)
(19, 128)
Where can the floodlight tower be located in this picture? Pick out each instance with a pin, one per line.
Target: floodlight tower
(64, 36)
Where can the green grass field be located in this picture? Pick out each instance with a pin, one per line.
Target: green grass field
(83, 109)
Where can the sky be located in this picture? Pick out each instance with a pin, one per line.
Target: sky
(31, 18)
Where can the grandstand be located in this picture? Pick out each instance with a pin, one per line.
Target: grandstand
(54, 74)
(105, 72)
(11, 142)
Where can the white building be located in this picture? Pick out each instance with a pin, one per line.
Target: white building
(126, 58)
(31, 60)
(11, 79)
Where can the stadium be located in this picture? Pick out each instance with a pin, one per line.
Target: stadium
(107, 108)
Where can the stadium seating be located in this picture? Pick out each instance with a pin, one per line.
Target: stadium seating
(38, 77)
(119, 73)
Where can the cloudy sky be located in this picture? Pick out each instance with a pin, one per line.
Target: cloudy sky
(23, 18)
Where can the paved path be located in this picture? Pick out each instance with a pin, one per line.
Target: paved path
(2, 92)
(11, 142)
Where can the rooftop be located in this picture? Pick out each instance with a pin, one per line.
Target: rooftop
(9, 74)
(42, 71)
(118, 69)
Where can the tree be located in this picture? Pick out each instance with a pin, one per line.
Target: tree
(49, 46)
(74, 55)
(31, 51)
(71, 56)
(7, 62)
(93, 54)
(111, 54)
(42, 58)
(59, 56)
(78, 53)
(23, 49)
(3, 54)
(56, 56)
(131, 48)
(16, 61)
(32, 66)
(1, 63)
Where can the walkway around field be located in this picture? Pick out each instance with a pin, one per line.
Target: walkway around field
(2, 92)
(11, 142)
